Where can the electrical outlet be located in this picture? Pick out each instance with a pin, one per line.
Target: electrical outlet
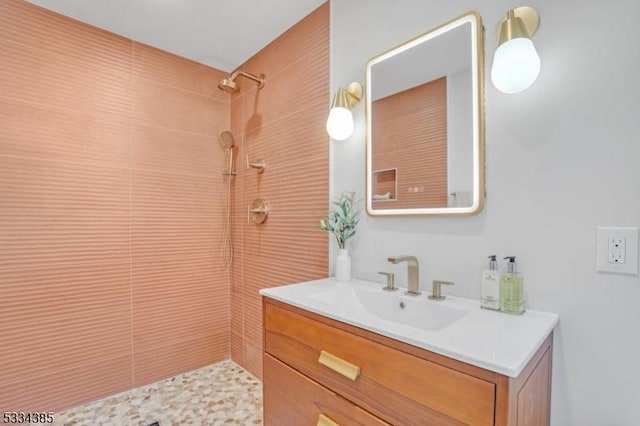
(617, 250)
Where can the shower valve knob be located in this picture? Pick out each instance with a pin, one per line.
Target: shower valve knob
(258, 211)
(260, 165)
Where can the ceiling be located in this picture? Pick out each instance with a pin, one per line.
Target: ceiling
(219, 33)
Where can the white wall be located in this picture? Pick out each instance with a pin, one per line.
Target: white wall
(561, 158)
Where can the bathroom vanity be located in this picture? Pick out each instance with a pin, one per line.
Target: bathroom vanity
(350, 353)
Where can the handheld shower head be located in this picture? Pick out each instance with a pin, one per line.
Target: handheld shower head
(226, 139)
(229, 84)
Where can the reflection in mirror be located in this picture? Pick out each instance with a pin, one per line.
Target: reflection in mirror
(424, 123)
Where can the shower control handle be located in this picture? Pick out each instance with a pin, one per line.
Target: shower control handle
(260, 165)
(258, 211)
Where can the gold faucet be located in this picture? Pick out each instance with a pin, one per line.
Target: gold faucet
(436, 293)
(390, 281)
(413, 287)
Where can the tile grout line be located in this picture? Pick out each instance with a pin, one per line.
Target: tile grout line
(182, 89)
(103, 116)
(242, 238)
(231, 211)
(133, 354)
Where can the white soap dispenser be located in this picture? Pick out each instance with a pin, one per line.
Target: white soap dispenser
(491, 285)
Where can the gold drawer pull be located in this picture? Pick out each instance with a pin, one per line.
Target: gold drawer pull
(324, 420)
(339, 365)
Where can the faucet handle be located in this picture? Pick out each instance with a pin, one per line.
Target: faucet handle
(436, 292)
(390, 281)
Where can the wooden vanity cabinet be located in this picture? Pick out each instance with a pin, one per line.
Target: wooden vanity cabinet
(321, 371)
(294, 399)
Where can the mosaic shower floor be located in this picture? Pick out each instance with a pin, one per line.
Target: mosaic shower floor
(219, 394)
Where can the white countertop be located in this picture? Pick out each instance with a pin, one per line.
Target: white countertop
(493, 340)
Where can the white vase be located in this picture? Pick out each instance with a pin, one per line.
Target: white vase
(342, 266)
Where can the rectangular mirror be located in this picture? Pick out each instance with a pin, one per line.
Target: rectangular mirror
(425, 123)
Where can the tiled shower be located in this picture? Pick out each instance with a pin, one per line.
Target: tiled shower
(112, 206)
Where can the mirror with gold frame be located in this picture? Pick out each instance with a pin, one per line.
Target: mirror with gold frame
(425, 123)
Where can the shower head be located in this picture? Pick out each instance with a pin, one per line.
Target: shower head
(226, 139)
(229, 84)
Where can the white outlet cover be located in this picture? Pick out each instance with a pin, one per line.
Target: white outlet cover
(630, 236)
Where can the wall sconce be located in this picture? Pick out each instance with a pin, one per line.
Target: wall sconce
(516, 63)
(340, 122)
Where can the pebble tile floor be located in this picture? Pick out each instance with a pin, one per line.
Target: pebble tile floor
(219, 394)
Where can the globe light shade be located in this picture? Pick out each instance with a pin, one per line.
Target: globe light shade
(340, 123)
(516, 65)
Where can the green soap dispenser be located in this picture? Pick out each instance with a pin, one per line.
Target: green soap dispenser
(512, 289)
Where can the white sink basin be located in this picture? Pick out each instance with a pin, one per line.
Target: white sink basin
(453, 327)
(395, 307)
(421, 313)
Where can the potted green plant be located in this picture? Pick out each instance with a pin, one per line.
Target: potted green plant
(342, 222)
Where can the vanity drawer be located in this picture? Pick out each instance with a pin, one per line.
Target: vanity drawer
(292, 399)
(396, 386)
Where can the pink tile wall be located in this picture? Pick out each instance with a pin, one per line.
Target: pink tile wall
(283, 123)
(111, 201)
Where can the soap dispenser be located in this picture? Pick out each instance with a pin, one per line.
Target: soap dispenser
(491, 285)
(512, 289)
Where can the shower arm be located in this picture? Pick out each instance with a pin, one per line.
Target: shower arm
(257, 79)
